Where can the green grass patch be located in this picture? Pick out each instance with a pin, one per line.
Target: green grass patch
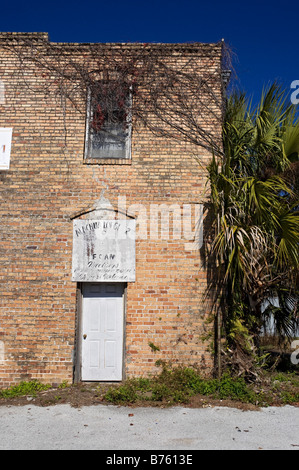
(173, 385)
(24, 388)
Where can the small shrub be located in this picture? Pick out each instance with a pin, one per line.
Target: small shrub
(123, 394)
(160, 392)
(235, 388)
(227, 388)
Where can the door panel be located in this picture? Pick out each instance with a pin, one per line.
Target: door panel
(102, 332)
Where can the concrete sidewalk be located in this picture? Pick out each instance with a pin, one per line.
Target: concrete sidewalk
(62, 427)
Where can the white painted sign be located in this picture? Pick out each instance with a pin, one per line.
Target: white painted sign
(5, 146)
(104, 250)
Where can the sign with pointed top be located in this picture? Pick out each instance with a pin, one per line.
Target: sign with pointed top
(104, 250)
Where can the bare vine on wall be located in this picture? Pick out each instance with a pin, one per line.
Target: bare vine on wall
(174, 90)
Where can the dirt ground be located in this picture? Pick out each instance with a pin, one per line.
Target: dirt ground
(79, 395)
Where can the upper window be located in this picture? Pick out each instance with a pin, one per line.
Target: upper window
(108, 127)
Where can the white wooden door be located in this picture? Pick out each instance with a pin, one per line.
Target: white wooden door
(102, 331)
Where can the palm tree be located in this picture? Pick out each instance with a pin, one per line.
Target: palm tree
(254, 194)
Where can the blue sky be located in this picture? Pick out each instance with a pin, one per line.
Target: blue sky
(264, 35)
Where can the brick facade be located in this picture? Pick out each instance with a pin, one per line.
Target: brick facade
(47, 186)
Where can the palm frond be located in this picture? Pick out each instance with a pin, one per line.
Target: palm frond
(288, 240)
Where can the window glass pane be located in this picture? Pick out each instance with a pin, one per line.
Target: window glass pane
(111, 142)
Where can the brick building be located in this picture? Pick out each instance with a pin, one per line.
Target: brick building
(101, 265)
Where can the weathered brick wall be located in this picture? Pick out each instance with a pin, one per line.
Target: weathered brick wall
(48, 183)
